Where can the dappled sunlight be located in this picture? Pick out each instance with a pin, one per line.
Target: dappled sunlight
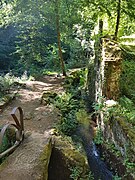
(37, 85)
(27, 95)
(47, 83)
(37, 117)
(42, 108)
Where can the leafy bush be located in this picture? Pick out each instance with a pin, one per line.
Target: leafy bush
(98, 139)
(68, 107)
(68, 124)
(6, 81)
(76, 80)
(70, 102)
(124, 108)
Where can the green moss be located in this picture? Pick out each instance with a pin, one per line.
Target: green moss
(73, 157)
(127, 129)
(45, 159)
(48, 97)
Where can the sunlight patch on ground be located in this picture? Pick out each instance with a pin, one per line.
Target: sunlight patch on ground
(28, 95)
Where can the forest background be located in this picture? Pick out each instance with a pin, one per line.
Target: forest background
(38, 36)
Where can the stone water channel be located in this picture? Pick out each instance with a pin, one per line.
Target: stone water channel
(98, 167)
(49, 156)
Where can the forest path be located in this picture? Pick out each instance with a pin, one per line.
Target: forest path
(25, 163)
(37, 117)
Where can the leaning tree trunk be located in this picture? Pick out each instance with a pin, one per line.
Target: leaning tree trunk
(118, 20)
(59, 37)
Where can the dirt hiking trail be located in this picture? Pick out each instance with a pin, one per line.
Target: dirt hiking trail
(37, 117)
(25, 162)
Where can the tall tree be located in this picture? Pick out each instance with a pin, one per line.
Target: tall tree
(59, 36)
(118, 20)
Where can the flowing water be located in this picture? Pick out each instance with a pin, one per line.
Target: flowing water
(97, 166)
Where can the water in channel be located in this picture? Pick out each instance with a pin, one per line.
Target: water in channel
(97, 166)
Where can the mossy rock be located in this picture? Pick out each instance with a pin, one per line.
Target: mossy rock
(130, 133)
(47, 97)
(71, 158)
(121, 133)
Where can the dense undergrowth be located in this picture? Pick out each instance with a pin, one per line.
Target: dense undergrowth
(69, 102)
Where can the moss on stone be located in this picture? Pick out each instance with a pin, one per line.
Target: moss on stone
(73, 157)
(127, 129)
(47, 97)
(45, 159)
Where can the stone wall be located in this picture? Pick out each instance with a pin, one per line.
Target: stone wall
(118, 132)
(104, 71)
(104, 79)
(119, 147)
(111, 54)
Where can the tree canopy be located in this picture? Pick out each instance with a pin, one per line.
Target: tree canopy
(37, 24)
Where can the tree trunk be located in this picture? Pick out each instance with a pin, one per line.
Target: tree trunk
(118, 19)
(59, 37)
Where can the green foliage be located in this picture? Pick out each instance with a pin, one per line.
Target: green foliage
(75, 81)
(70, 102)
(130, 165)
(122, 111)
(68, 124)
(76, 174)
(116, 177)
(112, 147)
(98, 139)
(6, 82)
(67, 106)
(36, 38)
(98, 106)
(126, 103)
(124, 108)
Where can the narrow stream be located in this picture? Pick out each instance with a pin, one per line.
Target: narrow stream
(97, 166)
